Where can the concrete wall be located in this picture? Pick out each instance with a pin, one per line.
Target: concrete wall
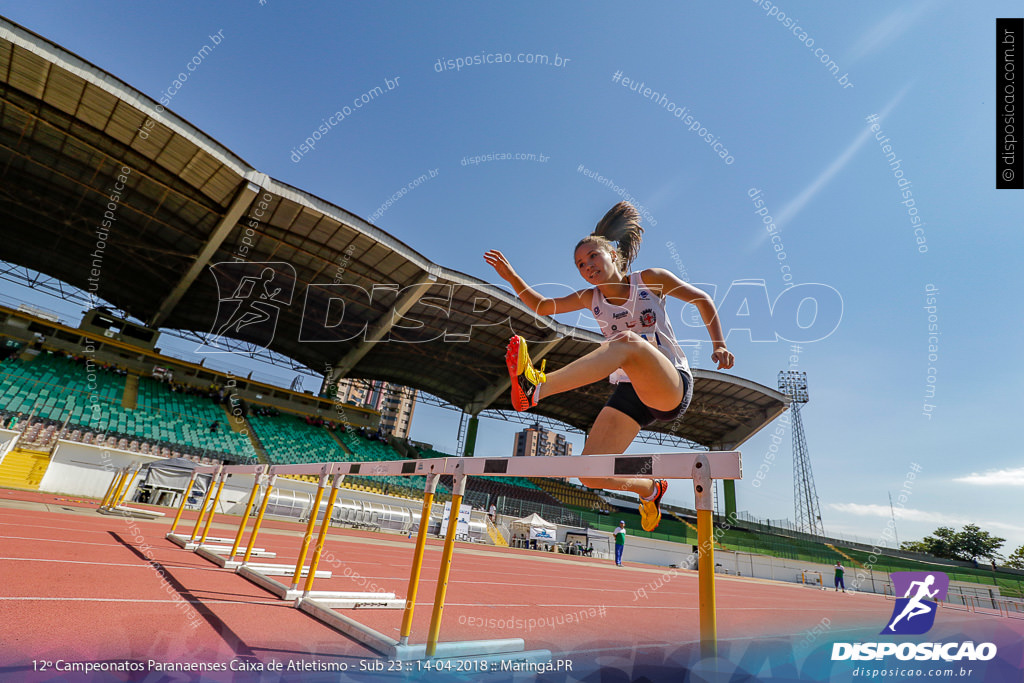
(85, 470)
(7, 440)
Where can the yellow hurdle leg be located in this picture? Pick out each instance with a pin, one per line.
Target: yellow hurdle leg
(309, 531)
(124, 494)
(315, 562)
(117, 491)
(702, 484)
(202, 508)
(184, 500)
(417, 558)
(115, 484)
(706, 584)
(245, 515)
(213, 508)
(110, 489)
(259, 518)
(458, 491)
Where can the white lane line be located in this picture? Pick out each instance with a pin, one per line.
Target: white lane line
(642, 646)
(58, 540)
(145, 600)
(516, 584)
(671, 607)
(58, 528)
(106, 564)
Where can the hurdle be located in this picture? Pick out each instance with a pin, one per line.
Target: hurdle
(811, 578)
(200, 532)
(322, 608)
(115, 496)
(701, 467)
(115, 484)
(184, 500)
(172, 535)
(117, 491)
(262, 574)
(222, 551)
(189, 543)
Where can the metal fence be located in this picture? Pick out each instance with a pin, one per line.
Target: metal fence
(522, 508)
(788, 528)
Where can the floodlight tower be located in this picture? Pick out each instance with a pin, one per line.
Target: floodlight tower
(805, 496)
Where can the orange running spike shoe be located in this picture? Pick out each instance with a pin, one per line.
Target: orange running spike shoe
(650, 510)
(525, 378)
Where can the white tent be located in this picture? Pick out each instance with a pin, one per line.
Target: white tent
(534, 526)
(168, 478)
(173, 474)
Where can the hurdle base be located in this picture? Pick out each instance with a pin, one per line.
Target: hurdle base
(187, 543)
(212, 554)
(287, 593)
(225, 549)
(378, 601)
(125, 511)
(497, 650)
(284, 570)
(181, 541)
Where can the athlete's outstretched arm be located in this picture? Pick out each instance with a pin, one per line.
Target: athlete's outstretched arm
(673, 286)
(529, 296)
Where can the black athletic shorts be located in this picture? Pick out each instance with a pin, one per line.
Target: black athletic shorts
(625, 400)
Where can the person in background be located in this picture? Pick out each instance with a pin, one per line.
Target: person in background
(839, 577)
(620, 542)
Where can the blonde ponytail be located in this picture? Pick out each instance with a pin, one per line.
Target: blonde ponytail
(619, 230)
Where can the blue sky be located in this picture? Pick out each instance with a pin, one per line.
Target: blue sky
(794, 131)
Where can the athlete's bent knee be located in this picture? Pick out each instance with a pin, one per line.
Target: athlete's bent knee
(627, 340)
(632, 336)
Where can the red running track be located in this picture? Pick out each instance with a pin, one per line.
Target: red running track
(76, 586)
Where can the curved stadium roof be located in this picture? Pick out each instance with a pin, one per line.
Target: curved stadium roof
(349, 296)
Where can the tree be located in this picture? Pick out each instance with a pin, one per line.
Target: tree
(973, 543)
(969, 544)
(916, 547)
(1016, 559)
(944, 543)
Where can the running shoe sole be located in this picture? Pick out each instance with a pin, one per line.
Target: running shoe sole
(516, 359)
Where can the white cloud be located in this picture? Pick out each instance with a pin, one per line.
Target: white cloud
(1008, 477)
(797, 204)
(886, 31)
(1004, 526)
(909, 514)
(912, 515)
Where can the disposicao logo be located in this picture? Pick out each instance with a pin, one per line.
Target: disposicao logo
(914, 614)
(250, 299)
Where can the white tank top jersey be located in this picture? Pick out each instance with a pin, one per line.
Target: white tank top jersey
(643, 313)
